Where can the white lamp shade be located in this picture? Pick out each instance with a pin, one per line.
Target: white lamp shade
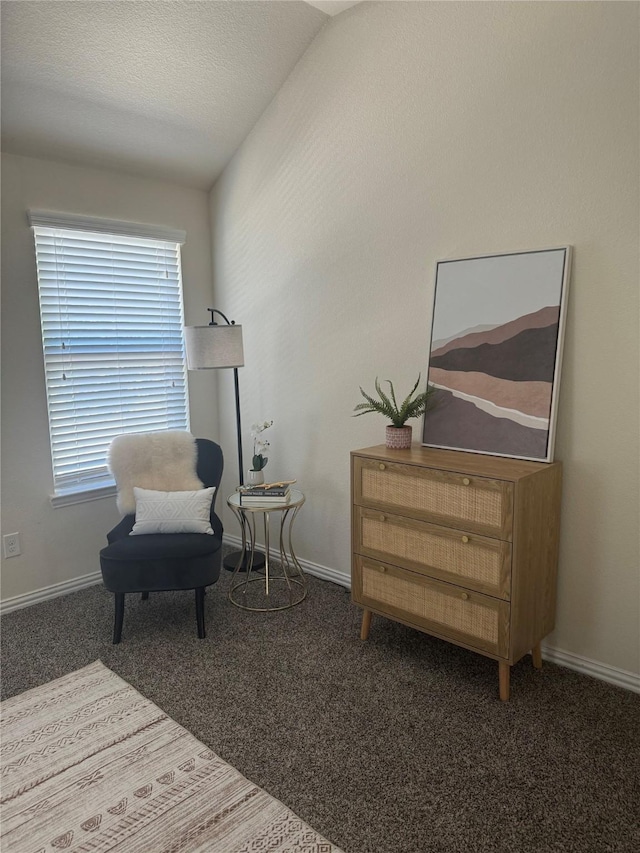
(213, 347)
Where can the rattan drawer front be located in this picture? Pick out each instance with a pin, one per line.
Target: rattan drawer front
(455, 556)
(477, 504)
(443, 609)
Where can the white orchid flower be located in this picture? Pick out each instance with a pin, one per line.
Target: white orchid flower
(256, 429)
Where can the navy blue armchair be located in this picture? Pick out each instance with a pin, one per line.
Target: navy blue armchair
(166, 561)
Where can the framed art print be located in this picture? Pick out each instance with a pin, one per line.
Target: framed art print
(496, 350)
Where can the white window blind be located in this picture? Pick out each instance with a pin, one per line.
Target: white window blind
(112, 332)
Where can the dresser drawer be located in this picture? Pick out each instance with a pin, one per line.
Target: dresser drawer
(475, 504)
(473, 561)
(445, 610)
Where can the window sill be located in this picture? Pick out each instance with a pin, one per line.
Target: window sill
(81, 496)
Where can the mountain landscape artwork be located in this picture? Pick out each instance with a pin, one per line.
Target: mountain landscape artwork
(496, 347)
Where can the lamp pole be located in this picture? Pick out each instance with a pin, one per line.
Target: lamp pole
(256, 559)
(237, 392)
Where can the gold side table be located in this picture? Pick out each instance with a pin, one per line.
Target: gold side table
(260, 590)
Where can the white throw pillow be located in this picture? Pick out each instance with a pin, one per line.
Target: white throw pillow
(172, 512)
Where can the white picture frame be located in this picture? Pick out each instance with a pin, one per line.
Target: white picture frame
(495, 353)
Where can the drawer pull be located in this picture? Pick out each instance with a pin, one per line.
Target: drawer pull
(466, 481)
(465, 596)
(382, 466)
(465, 539)
(383, 518)
(382, 568)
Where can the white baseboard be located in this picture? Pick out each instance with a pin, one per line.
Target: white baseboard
(315, 569)
(601, 671)
(17, 602)
(595, 669)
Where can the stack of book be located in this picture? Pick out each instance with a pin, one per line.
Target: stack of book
(267, 494)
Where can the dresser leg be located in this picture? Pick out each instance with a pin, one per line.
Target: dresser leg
(536, 654)
(505, 673)
(366, 624)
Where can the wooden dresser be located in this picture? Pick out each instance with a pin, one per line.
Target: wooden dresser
(459, 545)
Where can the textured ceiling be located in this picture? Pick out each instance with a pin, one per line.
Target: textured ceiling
(333, 7)
(163, 89)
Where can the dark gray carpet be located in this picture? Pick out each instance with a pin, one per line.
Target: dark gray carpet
(395, 745)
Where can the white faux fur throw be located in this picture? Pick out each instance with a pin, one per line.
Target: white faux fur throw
(163, 461)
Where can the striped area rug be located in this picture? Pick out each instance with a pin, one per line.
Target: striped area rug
(89, 765)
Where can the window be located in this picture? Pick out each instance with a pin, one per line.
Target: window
(112, 333)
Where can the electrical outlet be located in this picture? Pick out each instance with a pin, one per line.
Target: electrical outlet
(11, 544)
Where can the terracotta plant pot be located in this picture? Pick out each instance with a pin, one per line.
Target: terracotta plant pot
(398, 438)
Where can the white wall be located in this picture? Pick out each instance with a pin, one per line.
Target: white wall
(60, 545)
(411, 132)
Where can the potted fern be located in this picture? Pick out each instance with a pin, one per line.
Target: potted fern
(398, 433)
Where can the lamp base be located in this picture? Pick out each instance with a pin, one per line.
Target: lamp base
(231, 561)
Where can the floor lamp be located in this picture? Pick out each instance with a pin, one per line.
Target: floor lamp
(216, 347)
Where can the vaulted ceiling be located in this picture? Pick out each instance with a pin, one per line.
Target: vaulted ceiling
(163, 89)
